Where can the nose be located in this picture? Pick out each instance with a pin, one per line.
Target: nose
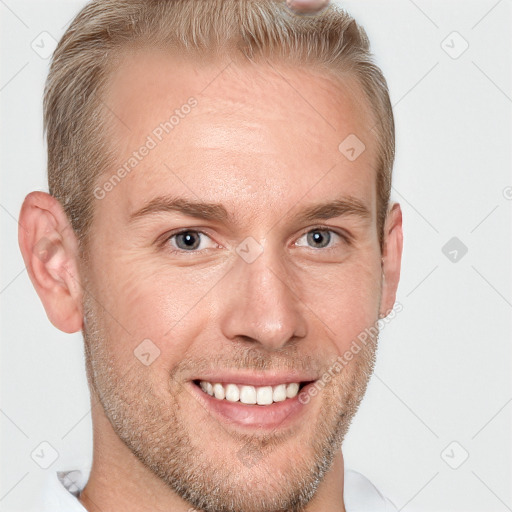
(259, 303)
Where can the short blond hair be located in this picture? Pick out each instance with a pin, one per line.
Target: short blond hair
(75, 115)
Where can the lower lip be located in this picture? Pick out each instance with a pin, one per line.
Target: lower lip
(275, 415)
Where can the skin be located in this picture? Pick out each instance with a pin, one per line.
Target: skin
(265, 155)
(307, 6)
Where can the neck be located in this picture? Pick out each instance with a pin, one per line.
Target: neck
(119, 481)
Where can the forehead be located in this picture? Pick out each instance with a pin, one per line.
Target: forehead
(223, 130)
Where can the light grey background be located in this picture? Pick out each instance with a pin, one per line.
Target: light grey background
(444, 364)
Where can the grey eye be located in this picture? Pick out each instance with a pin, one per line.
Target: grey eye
(187, 240)
(319, 238)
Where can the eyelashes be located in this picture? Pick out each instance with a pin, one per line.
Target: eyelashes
(193, 241)
(189, 237)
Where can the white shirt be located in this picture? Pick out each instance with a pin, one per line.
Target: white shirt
(61, 490)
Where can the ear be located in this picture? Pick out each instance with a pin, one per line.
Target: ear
(391, 258)
(50, 252)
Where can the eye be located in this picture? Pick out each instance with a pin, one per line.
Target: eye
(319, 238)
(190, 241)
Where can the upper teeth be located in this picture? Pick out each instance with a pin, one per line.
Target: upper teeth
(261, 395)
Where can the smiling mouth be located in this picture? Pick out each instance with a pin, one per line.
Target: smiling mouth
(251, 395)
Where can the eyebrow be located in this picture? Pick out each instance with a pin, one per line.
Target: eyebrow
(217, 212)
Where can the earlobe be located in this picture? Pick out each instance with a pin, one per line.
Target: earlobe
(50, 252)
(391, 258)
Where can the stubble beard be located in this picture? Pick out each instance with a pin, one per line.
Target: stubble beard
(158, 435)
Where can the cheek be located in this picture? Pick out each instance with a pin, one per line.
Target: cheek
(346, 299)
(172, 306)
(166, 304)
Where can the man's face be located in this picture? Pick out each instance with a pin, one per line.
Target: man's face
(262, 297)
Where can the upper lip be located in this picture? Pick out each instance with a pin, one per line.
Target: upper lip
(254, 378)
